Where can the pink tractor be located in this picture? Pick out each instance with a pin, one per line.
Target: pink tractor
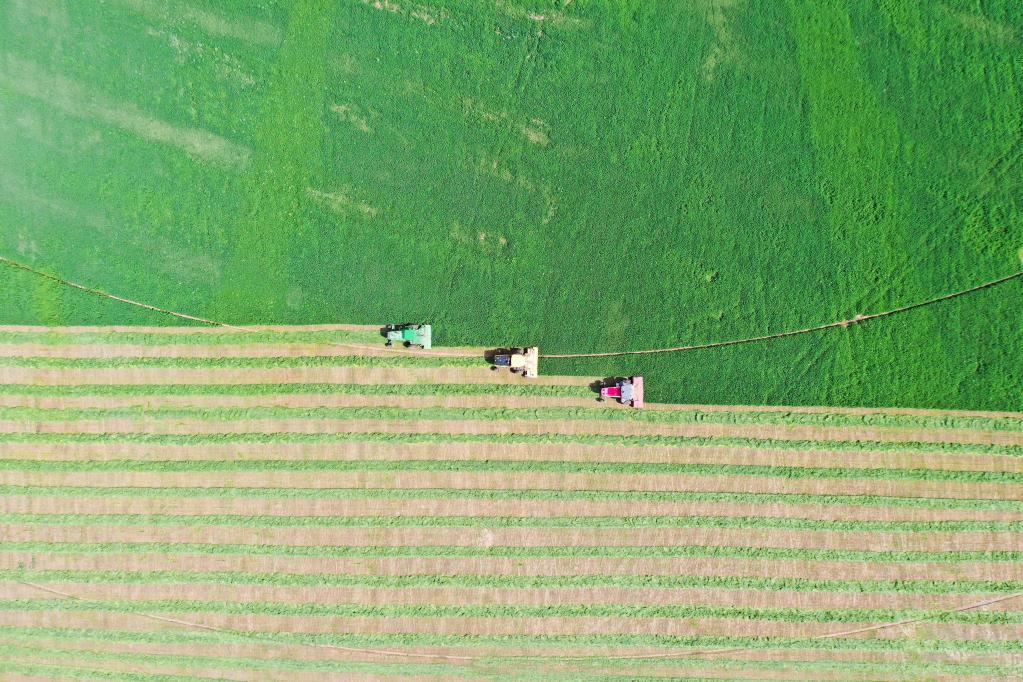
(628, 391)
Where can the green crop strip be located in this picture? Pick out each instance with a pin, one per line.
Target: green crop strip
(134, 390)
(516, 641)
(65, 671)
(677, 551)
(482, 494)
(508, 438)
(788, 615)
(514, 466)
(538, 581)
(513, 522)
(595, 412)
(245, 362)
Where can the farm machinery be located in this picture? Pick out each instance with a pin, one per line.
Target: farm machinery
(409, 335)
(627, 390)
(524, 361)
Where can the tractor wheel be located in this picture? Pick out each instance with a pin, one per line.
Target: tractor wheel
(494, 368)
(388, 343)
(407, 344)
(600, 399)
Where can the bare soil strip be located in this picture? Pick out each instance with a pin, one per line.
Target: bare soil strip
(276, 375)
(535, 452)
(511, 426)
(249, 350)
(469, 507)
(522, 480)
(679, 627)
(499, 596)
(458, 536)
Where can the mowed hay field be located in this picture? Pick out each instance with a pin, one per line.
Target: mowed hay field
(184, 503)
(586, 175)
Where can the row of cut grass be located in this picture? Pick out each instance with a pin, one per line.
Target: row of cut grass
(676, 551)
(340, 610)
(98, 390)
(135, 338)
(983, 587)
(242, 438)
(595, 412)
(606, 642)
(493, 466)
(26, 642)
(484, 494)
(396, 360)
(512, 522)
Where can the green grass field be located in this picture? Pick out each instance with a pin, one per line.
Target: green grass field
(590, 175)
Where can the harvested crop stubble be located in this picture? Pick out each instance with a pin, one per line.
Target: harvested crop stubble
(482, 565)
(526, 480)
(197, 329)
(200, 506)
(516, 537)
(584, 427)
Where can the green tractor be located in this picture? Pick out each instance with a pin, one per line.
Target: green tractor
(409, 335)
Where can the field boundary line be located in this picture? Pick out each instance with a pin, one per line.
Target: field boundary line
(472, 659)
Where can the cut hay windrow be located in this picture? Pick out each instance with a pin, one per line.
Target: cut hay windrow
(503, 567)
(455, 477)
(335, 551)
(374, 449)
(307, 492)
(235, 530)
(449, 420)
(82, 501)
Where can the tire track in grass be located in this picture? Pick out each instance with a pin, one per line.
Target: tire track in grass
(524, 480)
(486, 537)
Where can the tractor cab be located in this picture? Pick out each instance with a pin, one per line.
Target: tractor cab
(627, 390)
(524, 361)
(409, 335)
